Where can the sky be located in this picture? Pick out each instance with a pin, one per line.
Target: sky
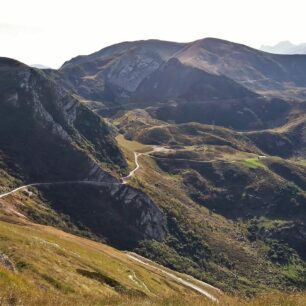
(49, 32)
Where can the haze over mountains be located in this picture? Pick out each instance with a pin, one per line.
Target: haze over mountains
(39, 66)
(285, 47)
(216, 134)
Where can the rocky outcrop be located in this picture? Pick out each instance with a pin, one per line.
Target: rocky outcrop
(129, 71)
(6, 262)
(120, 214)
(148, 217)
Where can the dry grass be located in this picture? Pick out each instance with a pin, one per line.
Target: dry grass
(14, 297)
(57, 268)
(133, 146)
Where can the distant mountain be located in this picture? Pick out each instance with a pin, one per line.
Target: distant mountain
(285, 47)
(117, 71)
(206, 77)
(261, 72)
(39, 66)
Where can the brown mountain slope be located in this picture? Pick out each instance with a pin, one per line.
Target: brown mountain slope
(254, 69)
(116, 71)
(203, 81)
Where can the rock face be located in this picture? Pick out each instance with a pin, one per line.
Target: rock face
(149, 219)
(120, 214)
(60, 139)
(115, 72)
(48, 135)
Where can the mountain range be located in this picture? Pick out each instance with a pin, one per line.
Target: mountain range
(192, 155)
(285, 47)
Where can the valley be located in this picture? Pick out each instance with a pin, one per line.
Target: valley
(154, 172)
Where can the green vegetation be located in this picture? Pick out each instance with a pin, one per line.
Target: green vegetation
(271, 223)
(226, 249)
(253, 163)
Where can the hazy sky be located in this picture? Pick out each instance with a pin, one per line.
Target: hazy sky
(51, 31)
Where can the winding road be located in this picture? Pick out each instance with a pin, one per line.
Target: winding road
(137, 155)
(15, 190)
(159, 268)
(124, 179)
(56, 183)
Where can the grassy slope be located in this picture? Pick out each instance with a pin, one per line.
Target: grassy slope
(129, 147)
(56, 268)
(287, 141)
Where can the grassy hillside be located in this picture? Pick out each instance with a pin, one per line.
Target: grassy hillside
(47, 266)
(219, 227)
(41, 265)
(139, 125)
(231, 254)
(287, 141)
